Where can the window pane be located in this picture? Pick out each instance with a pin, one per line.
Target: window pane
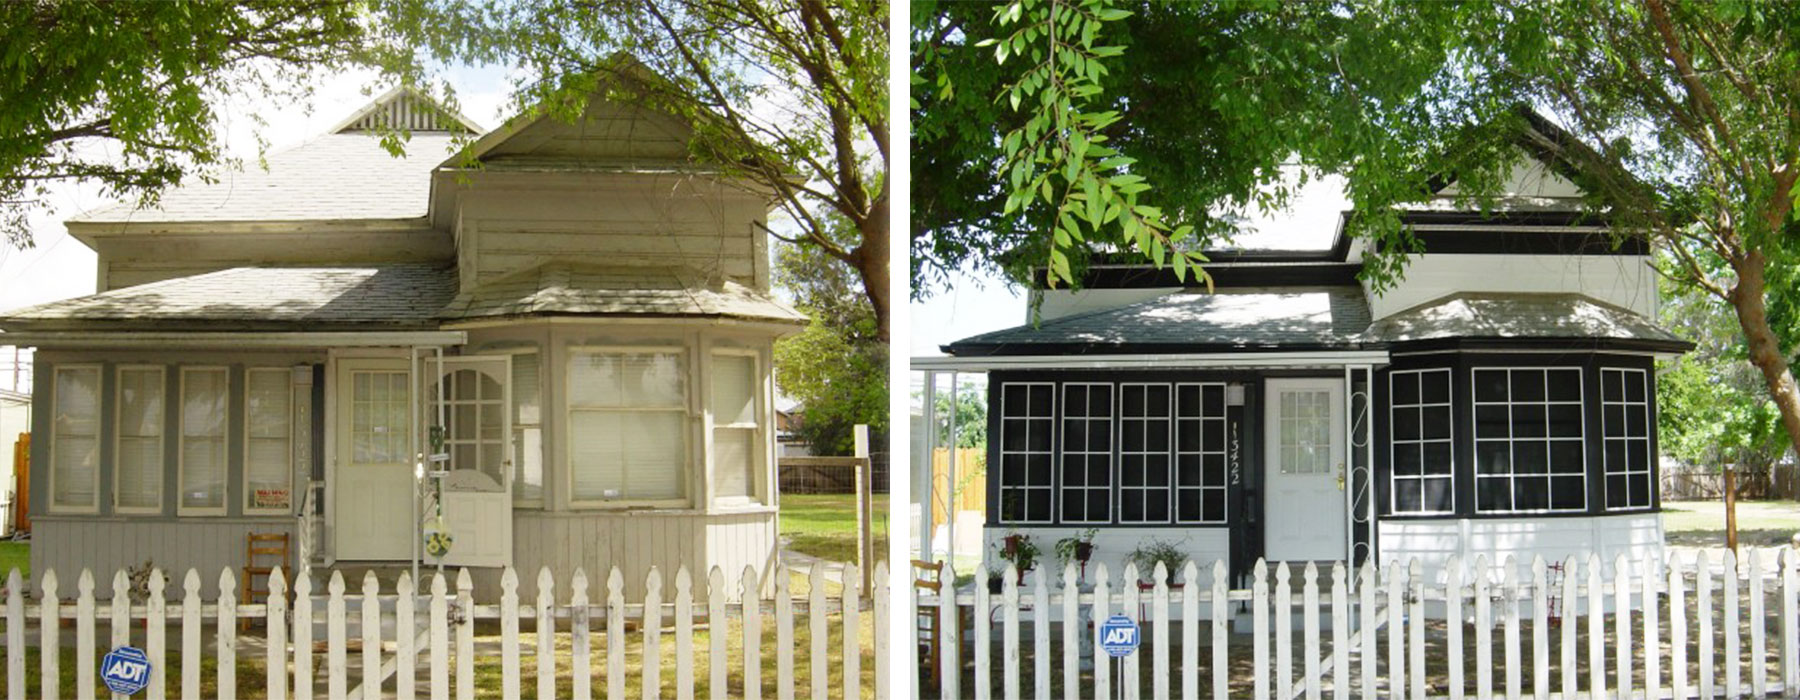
(203, 406)
(139, 462)
(601, 380)
(733, 461)
(268, 418)
(734, 389)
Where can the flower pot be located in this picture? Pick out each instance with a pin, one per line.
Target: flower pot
(1084, 551)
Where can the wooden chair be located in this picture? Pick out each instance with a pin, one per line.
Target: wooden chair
(928, 576)
(262, 553)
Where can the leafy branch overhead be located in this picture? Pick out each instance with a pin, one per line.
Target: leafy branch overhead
(1058, 161)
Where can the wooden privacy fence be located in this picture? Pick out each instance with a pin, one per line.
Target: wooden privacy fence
(436, 654)
(1651, 631)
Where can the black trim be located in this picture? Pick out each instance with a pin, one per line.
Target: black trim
(1567, 345)
(1224, 276)
(1035, 349)
(1502, 219)
(1499, 242)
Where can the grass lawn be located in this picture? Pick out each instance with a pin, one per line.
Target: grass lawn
(824, 525)
(1702, 523)
(15, 555)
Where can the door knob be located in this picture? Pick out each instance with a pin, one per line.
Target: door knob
(1340, 476)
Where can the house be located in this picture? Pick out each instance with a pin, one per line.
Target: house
(554, 346)
(1498, 400)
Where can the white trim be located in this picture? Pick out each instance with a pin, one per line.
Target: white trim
(1534, 351)
(162, 435)
(181, 444)
(682, 352)
(287, 373)
(1450, 408)
(1223, 360)
(1000, 486)
(1169, 466)
(1649, 470)
(1512, 474)
(543, 356)
(88, 340)
(1060, 449)
(56, 400)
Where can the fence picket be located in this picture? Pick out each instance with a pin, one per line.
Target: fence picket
(1540, 629)
(1453, 625)
(15, 635)
(1484, 630)
(852, 597)
(1259, 630)
(1759, 648)
(1678, 639)
(227, 640)
(784, 637)
(1133, 607)
(1221, 672)
(1509, 608)
(465, 636)
(1570, 619)
(652, 666)
(1622, 630)
(190, 638)
(982, 620)
(1159, 618)
(1790, 626)
(336, 666)
(546, 634)
(749, 597)
(84, 636)
(1009, 633)
(371, 637)
(1703, 585)
(1284, 632)
(684, 634)
(615, 632)
(1734, 665)
(1367, 621)
(1340, 634)
(1415, 631)
(1396, 600)
(1596, 630)
(119, 617)
(950, 655)
(1309, 604)
(1101, 610)
(581, 638)
(1648, 580)
(156, 640)
(49, 633)
(406, 635)
(1190, 631)
(882, 607)
(1071, 629)
(815, 620)
(509, 634)
(303, 635)
(440, 638)
(1040, 636)
(274, 628)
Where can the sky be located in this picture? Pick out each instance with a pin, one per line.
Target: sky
(60, 267)
(974, 303)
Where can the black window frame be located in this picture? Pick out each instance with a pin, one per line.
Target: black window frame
(1028, 485)
(1061, 456)
(1205, 459)
(1644, 439)
(1519, 411)
(1152, 425)
(1422, 442)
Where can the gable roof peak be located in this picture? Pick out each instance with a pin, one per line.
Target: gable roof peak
(405, 108)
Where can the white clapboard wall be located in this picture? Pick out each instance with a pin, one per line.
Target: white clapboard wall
(1716, 626)
(436, 656)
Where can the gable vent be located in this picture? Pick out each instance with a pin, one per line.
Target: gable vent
(405, 109)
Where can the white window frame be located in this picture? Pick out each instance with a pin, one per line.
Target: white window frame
(99, 430)
(287, 375)
(118, 435)
(758, 444)
(1475, 404)
(1169, 453)
(1000, 474)
(686, 409)
(513, 481)
(1059, 449)
(1625, 470)
(181, 445)
(1449, 407)
(1200, 417)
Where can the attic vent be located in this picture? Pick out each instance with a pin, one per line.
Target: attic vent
(406, 110)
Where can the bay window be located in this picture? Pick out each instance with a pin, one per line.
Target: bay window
(736, 450)
(628, 426)
(1625, 421)
(1087, 411)
(268, 440)
(204, 402)
(1419, 425)
(528, 431)
(75, 441)
(138, 442)
(1530, 453)
(1027, 427)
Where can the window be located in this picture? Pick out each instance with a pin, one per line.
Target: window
(75, 445)
(268, 442)
(1419, 428)
(1144, 428)
(138, 477)
(1087, 453)
(528, 431)
(1305, 432)
(628, 426)
(1529, 452)
(204, 399)
(1200, 478)
(736, 449)
(1027, 423)
(1625, 422)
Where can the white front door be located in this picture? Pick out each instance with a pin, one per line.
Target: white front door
(372, 474)
(477, 455)
(1304, 509)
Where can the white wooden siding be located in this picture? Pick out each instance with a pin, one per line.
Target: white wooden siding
(110, 544)
(1113, 545)
(1620, 280)
(141, 258)
(634, 541)
(1434, 542)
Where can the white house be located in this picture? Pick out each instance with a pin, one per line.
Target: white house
(571, 335)
(1498, 400)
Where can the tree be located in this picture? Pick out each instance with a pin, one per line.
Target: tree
(791, 96)
(1712, 406)
(124, 94)
(837, 367)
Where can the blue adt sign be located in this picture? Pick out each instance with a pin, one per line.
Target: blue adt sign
(1119, 636)
(125, 670)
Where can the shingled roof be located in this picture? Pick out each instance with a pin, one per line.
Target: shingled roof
(565, 289)
(1287, 319)
(1517, 316)
(400, 296)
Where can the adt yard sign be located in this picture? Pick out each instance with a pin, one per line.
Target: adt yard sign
(125, 670)
(1119, 636)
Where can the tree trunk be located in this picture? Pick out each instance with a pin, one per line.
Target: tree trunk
(872, 261)
(1764, 349)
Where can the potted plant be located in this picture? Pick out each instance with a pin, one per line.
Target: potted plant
(1153, 552)
(1078, 547)
(1021, 551)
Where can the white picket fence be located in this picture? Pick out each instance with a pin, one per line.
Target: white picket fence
(1684, 611)
(442, 636)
